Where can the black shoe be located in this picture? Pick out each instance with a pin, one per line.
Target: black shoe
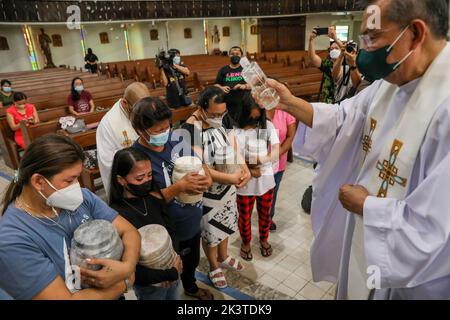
(273, 227)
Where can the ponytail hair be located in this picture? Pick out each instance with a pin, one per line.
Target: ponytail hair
(47, 156)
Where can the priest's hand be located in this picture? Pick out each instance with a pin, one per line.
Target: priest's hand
(286, 96)
(353, 198)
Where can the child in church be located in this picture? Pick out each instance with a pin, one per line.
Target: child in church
(257, 139)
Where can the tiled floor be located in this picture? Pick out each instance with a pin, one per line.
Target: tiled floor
(287, 273)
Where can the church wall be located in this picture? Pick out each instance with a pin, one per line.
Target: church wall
(16, 58)
(326, 20)
(225, 43)
(69, 54)
(113, 51)
(142, 46)
(192, 46)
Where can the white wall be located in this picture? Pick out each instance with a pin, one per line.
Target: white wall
(253, 40)
(70, 53)
(16, 58)
(141, 45)
(326, 20)
(225, 42)
(192, 46)
(114, 50)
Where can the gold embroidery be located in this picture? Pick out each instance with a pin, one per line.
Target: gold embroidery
(126, 142)
(389, 172)
(367, 140)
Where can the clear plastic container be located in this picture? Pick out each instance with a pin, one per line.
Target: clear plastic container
(253, 75)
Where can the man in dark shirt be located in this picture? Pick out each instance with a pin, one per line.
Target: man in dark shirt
(173, 77)
(91, 61)
(230, 80)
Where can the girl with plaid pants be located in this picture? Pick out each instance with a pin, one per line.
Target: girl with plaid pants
(254, 130)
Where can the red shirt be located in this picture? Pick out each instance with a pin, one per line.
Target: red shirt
(17, 116)
(82, 104)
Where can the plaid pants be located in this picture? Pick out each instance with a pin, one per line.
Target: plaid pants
(245, 208)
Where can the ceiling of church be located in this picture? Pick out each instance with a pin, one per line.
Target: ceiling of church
(86, 11)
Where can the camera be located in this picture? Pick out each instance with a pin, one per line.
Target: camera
(351, 46)
(165, 59)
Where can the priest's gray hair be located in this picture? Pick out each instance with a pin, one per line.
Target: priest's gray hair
(434, 12)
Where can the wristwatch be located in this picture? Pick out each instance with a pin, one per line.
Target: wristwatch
(353, 68)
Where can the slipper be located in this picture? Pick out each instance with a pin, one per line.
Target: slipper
(266, 251)
(218, 277)
(246, 255)
(202, 294)
(231, 263)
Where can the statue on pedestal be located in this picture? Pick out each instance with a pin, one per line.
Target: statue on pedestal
(216, 41)
(44, 41)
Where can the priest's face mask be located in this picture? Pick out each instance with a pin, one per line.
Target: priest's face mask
(391, 52)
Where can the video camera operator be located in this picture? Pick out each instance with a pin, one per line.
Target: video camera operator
(173, 76)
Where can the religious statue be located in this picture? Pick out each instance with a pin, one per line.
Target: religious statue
(44, 41)
(216, 41)
(216, 36)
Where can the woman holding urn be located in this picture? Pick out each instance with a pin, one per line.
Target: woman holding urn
(134, 194)
(217, 147)
(42, 208)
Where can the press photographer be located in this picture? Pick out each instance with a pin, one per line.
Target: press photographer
(345, 73)
(173, 76)
(328, 85)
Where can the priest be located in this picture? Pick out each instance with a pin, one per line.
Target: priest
(115, 131)
(381, 208)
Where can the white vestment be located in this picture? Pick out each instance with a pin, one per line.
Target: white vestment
(114, 133)
(409, 238)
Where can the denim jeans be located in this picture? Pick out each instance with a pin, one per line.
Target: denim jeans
(278, 177)
(157, 293)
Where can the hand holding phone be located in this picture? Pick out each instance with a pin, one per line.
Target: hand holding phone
(321, 31)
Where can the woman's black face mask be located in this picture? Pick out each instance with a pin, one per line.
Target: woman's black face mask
(253, 121)
(140, 190)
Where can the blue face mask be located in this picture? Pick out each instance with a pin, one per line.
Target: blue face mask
(79, 88)
(177, 60)
(159, 140)
(7, 89)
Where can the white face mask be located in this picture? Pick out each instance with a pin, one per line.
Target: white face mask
(213, 122)
(177, 60)
(69, 198)
(335, 53)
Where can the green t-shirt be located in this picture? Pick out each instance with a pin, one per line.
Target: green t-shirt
(328, 86)
(6, 100)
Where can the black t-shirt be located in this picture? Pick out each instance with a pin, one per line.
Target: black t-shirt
(90, 58)
(229, 77)
(157, 214)
(174, 99)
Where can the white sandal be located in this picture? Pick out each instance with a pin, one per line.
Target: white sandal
(217, 276)
(234, 266)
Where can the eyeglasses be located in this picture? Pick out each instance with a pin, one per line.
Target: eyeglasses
(367, 40)
(216, 115)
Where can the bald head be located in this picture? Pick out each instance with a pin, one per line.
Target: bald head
(133, 93)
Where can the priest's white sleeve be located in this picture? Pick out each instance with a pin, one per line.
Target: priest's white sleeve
(328, 121)
(409, 240)
(106, 149)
